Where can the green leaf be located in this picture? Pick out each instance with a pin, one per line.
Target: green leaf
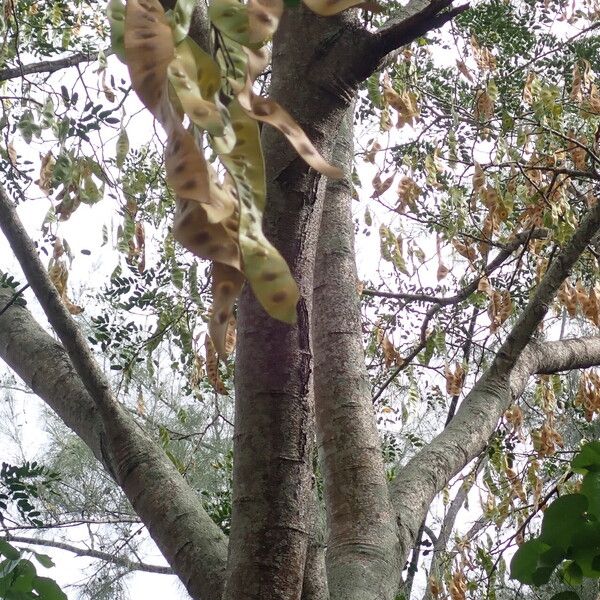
(122, 148)
(527, 562)
(572, 574)
(23, 577)
(44, 560)
(561, 518)
(590, 488)
(48, 589)
(566, 595)
(588, 459)
(374, 90)
(9, 551)
(8, 566)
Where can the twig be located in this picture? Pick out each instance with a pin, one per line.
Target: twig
(122, 561)
(49, 66)
(14, 298)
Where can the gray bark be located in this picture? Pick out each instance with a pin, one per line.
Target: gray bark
(272, 467)
(362, 560)
(317, 64)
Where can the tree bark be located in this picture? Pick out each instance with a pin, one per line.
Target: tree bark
(362, 560)
(272, 462)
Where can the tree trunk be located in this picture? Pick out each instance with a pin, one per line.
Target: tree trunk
(272, 474)
(362, 559)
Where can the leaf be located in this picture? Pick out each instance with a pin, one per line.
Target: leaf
(442, 271)
(9, 551)
(44, 560)
(48, 589)
(566, 595)
(12, 153)
(212, 367)
(526, 563)
(373, 88)
(380, 187)
(226, 285)
(590, 488)
(572, 574)
(562, 518)
(588, 458)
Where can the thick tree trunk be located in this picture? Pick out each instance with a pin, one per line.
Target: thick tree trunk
(272, 476)
(362, 559)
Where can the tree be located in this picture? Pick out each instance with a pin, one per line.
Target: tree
(524, 222)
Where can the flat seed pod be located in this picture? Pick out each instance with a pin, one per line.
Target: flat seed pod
(215, 242)
(208, 76)
(183, 76)
(115, 11)
(250, 24)
(265, 268)
(149, 50)
(263, 19)
(226, 286)
(187, 172)
(269, 111)
(230, 17)
(180, 18)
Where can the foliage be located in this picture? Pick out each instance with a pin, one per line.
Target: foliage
(570, 532)
(19, 579)
(455, 159)
(21, 485)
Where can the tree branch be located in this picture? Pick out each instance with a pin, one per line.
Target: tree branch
(546, 358)
(49, 66)
(466, 435)
(190, 541)
(362, 560)
(524, 237)
(121, 561)
(520, 335)
(411, 22)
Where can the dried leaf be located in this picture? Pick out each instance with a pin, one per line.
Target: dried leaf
(226, 285)
(12, 153)
(462, 67)
(442, 271)
(478, 177)
(380, 187)
(46, 169)
(212, 367)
